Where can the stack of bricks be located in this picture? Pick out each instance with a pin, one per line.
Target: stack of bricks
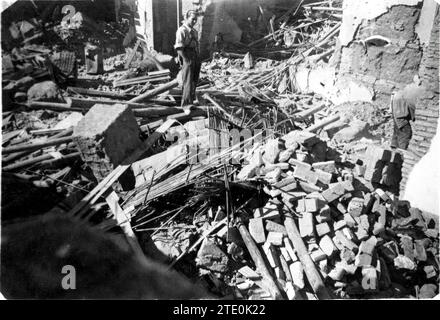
(106, 136)
(383, 167)
(427, 109)
(351, 227)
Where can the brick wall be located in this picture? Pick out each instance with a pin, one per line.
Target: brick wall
(384, 68)
(427, 111)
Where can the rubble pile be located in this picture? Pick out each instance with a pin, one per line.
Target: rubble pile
(258, 191)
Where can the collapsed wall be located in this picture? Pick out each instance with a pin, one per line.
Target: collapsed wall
(382, 45)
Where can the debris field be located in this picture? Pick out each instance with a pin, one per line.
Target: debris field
(261, 191)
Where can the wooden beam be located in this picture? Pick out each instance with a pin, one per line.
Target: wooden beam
(259, 261)
(310, 270)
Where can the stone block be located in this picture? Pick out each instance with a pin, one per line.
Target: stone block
(106, 136)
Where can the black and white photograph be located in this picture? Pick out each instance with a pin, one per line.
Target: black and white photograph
(235, 152)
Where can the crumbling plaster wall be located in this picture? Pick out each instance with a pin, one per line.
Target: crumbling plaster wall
(412, 30)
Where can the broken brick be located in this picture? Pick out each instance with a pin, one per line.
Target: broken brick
(318, 255)
(322, 229)
(276, 227)
(419, 251)
(306, 225)
(327, 246)
(324, 214)
(334, 192)
(327, 166)
(275, 238)
(355, 207)
(256, 229)
(297, 273)
(337, 225)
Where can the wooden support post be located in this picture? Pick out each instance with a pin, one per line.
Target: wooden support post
(312, 273)
(259, 261)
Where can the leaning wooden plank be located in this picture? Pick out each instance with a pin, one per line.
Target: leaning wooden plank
(160, 89)
(107, 182)
(54, 106)
(36, 146)
(259, 261)
(312, 273)
(124, 222)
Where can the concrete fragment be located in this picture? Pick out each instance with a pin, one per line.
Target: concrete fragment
(106, 136)
(211, 257)
(45, 91)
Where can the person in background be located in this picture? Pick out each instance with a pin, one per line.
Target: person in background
(403, 107)
(187, 47)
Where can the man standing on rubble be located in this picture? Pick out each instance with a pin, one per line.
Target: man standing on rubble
(187, 47)
(403, 107)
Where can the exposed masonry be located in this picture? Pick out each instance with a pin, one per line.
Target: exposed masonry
(427, 111)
